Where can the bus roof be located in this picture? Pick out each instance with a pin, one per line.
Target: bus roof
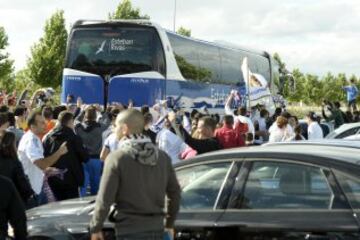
(229, 46)
(87, 22)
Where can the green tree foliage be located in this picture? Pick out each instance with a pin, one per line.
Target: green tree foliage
(22, 81)
(282, 81)
(296, 95)
(312, 89)
(332, 87)
(282, 65)
(184, 32)
(125, 10)
(6, 64)
(48, 55)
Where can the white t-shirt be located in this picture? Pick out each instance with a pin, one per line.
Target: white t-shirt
(289, 128)
(315, 131)
(171, 144)
(280, 134)
(111, 142)
(262, 124)
(31, 149)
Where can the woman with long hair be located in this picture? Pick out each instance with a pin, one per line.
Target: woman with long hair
(298, 134)
(11, 167)
(279, 131)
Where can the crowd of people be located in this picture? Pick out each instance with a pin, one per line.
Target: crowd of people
(57, 153)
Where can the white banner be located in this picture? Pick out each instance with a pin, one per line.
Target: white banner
(256, 85)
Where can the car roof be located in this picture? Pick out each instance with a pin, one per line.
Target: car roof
(330, 155)
(347, 143)
(350, 125)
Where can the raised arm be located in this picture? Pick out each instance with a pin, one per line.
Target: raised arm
(228, 103)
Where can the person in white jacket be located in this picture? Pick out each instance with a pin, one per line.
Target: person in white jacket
(279, 131)
(314, 128)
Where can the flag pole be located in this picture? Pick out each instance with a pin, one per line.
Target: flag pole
(174, 16)
(246, 76)
(248, 84)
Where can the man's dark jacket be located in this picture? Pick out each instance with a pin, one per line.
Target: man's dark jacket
(91, 135)
(200, 145)
(12, 210)
(72, 160)
(13, 169)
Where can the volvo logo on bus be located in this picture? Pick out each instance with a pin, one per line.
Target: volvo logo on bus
(73, 78)
(139, 80)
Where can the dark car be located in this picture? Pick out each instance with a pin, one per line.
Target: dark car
(293, 191)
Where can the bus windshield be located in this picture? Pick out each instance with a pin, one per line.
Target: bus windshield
(116, 51)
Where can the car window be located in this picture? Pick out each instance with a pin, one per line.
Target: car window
(201, 184)
(280, 185)
(347, 133)
(351, 187)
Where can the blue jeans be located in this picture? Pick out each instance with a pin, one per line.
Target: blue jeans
(156, 235)
(92, 175)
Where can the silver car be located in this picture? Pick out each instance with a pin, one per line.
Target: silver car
(345, 130)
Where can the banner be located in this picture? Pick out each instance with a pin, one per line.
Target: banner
(256, 85)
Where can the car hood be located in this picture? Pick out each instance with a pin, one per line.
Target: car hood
(68, 207)
(60, 219)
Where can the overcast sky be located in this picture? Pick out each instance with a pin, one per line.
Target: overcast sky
(315, 36)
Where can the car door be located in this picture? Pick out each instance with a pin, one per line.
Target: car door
(285, 199)
(206, 188)
(350, 185)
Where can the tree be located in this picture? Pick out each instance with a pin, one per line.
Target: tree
(341, 80)
(48, 55)
(125, 10)
(22, 81)
(282, 65)
(297, 95)
(183, 31)
(6, 64)
(312, 89)
(282, 81)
